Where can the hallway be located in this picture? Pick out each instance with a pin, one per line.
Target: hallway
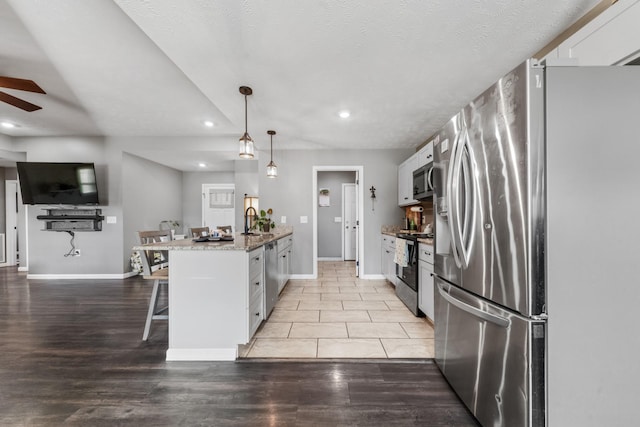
(341, 316)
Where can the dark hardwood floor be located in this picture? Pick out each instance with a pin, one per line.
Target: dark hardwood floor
(71, 354)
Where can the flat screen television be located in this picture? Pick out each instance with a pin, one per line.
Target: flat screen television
(57, 183)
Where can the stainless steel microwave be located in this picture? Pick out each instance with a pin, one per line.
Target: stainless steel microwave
(423, 182)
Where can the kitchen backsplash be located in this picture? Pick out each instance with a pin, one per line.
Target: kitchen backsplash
(421, 218)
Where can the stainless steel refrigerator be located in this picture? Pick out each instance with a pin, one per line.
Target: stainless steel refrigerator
(520, 172)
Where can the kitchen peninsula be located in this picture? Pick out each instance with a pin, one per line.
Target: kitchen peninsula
(216, 293)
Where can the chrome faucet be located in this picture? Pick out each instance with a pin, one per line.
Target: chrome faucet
(246, 219)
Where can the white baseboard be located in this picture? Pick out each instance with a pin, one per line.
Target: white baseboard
(302, 277)
(328, 258)
(372, 277)
(201, 354)
(23, 268)
(80, 276)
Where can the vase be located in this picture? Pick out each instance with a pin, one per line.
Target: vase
(266, 227)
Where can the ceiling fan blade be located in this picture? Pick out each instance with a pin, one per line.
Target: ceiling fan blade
(17, 102)
(20, 84)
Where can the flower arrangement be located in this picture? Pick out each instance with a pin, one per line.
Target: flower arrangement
(264, 222)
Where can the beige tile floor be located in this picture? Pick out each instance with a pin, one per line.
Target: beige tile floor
(341, 316)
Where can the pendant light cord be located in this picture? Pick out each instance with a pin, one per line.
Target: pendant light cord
(245, 115)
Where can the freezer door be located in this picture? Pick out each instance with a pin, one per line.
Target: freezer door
(493, 358)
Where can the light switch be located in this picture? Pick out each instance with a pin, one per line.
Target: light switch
(111, 219)
(283, 220)
(304, 220)
(337, 219)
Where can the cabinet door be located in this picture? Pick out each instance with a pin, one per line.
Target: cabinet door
(405, 181)
(425, 155)
(425, 290)
(384, 264)
(282, 269)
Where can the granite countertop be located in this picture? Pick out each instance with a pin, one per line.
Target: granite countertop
(426, 241)
(392, 230)
(239, 243)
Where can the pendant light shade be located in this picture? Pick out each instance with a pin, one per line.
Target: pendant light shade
(246, 143)
(272, 169)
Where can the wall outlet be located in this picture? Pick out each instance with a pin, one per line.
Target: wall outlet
(76, 252)
(337, 219)
(304, 220)
(283, 220)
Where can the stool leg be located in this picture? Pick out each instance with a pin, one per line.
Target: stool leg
(153, 301)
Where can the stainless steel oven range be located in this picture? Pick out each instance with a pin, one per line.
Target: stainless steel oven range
(407, 287)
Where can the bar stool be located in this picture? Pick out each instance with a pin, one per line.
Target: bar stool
(155, 266)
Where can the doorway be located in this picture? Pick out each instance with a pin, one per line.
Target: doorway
(358, 237)
(9, 251)
(218, 205)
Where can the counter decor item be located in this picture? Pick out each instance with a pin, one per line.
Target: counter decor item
(264, 222)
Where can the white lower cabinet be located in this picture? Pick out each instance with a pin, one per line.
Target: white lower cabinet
(387, 258)
(425, 281)
(284, 248)
(256, 289)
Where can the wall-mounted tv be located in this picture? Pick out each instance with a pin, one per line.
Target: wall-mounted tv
(57, 183)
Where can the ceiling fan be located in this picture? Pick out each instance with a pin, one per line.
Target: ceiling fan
(19, 84)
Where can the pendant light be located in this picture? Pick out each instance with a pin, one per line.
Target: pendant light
(246, 143)
(272, 169)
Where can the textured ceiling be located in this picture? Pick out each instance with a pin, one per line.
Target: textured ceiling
(159, 68)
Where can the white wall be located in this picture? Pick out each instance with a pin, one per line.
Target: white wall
(151, 193)
(290, 194)
(101, 251)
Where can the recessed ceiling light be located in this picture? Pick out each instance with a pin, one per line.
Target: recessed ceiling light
(208, 123)
(202, 165)
(8, 125)
(344, 114)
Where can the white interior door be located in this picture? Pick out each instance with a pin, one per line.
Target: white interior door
(350, 227)
(358, 201)
(11, 206)
(218, 205)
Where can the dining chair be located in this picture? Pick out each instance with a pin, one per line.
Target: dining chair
(226, 229)
(197, 231)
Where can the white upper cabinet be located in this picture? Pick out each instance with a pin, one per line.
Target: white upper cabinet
(425, 155)
(612, 38)
(405, 174)
(405, 181)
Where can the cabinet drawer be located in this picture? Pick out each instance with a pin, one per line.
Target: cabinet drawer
(388, 242)
(256, 262)
(426, 253)
(284, 243)
(256, 286)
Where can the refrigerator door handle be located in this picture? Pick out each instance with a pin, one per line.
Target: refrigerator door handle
(468, 222)
(454, 201)
(498, 320)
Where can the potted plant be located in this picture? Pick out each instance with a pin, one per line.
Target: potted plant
(263, 222)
